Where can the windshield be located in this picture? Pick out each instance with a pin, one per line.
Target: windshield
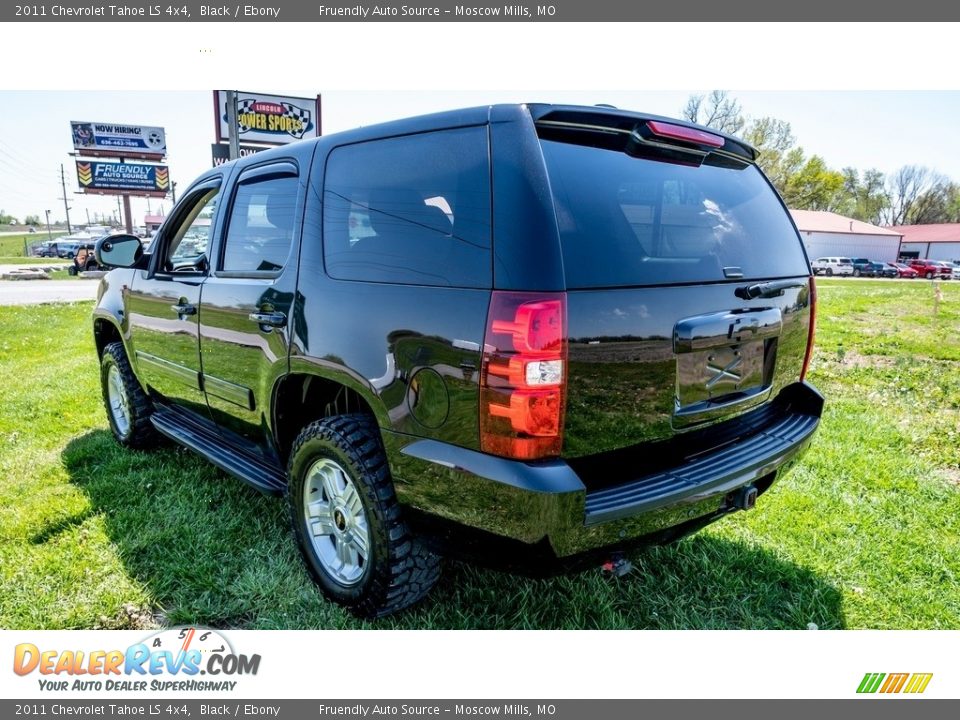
(627, 221)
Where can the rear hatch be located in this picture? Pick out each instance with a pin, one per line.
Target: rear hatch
(688, 292)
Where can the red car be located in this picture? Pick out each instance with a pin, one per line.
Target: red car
(904, 270)
(930, 269)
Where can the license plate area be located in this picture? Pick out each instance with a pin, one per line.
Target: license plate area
(725, 363)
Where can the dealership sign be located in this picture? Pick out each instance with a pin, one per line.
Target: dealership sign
(144, 142)
(268, 119)
(221, 153)
(114, 178)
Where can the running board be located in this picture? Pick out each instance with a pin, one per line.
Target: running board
(211, 446)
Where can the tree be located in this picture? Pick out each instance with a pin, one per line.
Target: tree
(31, 220)
(717, 110)
(7, 219)
(916, 195)
(814, 186)
(774, 140)
(867, 198)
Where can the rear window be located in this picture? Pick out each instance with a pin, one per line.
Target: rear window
(628, 221)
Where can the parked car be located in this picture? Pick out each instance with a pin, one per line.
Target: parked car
(67, 248)
(955, 270)
(870, 268)
(947, 269)
(862, 266)
(833, 266)
(903, 270)
(436, 374)
(930, 269)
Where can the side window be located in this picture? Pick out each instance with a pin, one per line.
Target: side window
(187, 249)
(261, 225)
(411, 210)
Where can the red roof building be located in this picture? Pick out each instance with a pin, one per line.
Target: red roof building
(934, 242)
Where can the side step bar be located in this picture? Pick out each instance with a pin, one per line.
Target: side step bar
(208, 444)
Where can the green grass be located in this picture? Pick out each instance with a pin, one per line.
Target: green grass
(12, 245)
(865, 533)
(13, 260)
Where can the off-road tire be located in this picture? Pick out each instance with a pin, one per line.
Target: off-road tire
(399, 569)
(141, 434)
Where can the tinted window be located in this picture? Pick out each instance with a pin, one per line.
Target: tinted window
(260, 230)
(188, 244)
(412, 210)
(628, 221)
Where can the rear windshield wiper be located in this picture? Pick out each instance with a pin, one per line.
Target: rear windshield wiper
(767, 289)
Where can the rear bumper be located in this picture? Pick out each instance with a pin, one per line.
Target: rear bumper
(549, 505)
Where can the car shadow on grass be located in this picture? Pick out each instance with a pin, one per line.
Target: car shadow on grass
(210, 551)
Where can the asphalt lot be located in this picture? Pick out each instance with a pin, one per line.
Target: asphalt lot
(36, 292)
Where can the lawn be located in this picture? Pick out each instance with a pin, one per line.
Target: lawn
(864, 534)
(13, 245)
(23, 261)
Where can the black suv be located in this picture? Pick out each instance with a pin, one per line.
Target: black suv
(530, 331)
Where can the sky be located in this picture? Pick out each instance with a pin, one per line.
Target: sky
(861, 129)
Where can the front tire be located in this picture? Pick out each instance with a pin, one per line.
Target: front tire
(347, 520)
(829, 272)
(856, 273)
(128, 407)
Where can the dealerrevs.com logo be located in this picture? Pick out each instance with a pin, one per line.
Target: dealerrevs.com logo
(181, 653)
(892, 683)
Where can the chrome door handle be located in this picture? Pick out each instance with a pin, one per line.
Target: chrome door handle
(184, 309)
(270, 319)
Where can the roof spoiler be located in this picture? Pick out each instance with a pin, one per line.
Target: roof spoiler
(640, 136)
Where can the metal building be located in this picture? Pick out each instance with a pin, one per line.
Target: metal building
(933, 242)
(827, 234)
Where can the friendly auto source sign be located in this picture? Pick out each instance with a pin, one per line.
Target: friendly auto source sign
(269, 119)
(117, 140)
(114, 178)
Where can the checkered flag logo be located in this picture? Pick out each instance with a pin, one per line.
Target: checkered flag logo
(248, 108)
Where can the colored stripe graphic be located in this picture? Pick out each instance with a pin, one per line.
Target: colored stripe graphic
(870, 682)
(893, 683)
(84, 173)
(918, 683)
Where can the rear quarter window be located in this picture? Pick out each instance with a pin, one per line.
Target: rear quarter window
(410, 210)
(628, 221)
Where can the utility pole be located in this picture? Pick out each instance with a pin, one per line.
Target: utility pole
(88, 215)
(232, 134)
(127, 213)
(63, 184)
(49, 235)
(173, 191)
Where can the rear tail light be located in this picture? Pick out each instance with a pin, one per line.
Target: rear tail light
(523, 382)
(812, 330)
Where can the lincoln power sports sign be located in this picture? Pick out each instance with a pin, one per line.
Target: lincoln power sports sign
(114, 178)
(269, 119)
(95, 139)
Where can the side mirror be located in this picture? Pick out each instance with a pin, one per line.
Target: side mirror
(119, 250)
